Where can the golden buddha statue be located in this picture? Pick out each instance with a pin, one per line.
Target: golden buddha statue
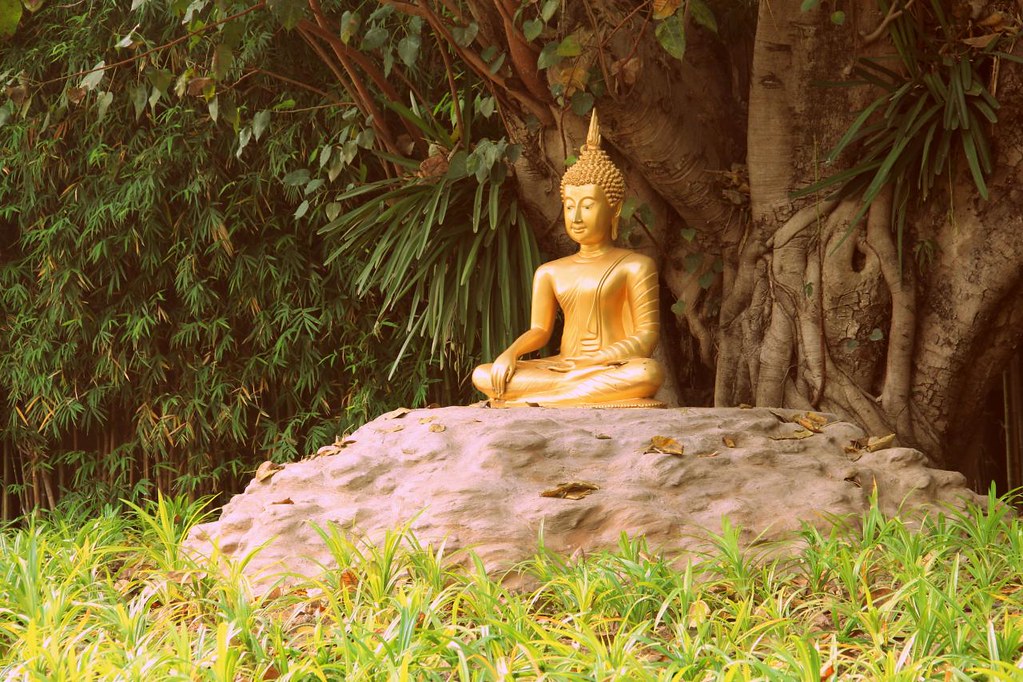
(609, 297)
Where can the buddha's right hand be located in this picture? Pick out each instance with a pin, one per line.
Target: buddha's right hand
(501, 372)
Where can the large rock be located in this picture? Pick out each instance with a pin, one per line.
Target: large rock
(473, 477)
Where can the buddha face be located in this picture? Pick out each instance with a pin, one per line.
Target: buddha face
(589, 218)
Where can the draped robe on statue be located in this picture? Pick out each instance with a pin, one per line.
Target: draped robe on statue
(611, 311)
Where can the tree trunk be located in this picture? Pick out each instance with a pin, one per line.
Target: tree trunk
(824, 317)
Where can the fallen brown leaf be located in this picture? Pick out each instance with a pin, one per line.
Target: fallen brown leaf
(818, 419)
(729, 442)
(709, 454)
(573, 490)
(875, 443)
(437, 428)
(286, 500)
(426, 420)
(391, 429)
(808, 424)
(267, 469)
(603, 436)
(664, 445)
(396, 414)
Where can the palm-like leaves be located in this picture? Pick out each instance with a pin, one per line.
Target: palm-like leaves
(931, 110)
(453, 249)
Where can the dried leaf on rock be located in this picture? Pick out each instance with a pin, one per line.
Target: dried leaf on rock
(745, 406)
(426, 420)
(333, 449)
(396, 414)
(818, 419)
(286, 500)
(267, 469)
(573, 490)
(603, 436)
(729, 442)
(875, 443)
(664, 445)
(853, 451)
(391, 429)
(437, 428)
(705, 455)
(807, 424)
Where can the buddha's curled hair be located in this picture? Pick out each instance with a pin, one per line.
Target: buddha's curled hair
(595, 167)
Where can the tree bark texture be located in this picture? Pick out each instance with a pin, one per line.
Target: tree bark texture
(829, 318)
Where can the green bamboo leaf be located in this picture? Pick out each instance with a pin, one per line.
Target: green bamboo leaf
(93, 78)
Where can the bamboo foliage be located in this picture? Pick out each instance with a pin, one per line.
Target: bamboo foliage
(168, 318)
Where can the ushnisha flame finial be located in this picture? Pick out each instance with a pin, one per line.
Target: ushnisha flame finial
(593, 134)
(595, 167)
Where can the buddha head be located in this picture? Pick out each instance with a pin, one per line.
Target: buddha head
(592, 190)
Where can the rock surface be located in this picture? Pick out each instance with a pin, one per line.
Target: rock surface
(473, 477)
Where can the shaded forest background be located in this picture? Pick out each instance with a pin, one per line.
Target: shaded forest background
(231, 232)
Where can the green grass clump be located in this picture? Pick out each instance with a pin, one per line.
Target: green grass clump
(116, 598)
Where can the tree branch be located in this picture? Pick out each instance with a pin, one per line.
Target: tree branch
(176, 41)
(891, 16)
(368, 105)
(523, 57)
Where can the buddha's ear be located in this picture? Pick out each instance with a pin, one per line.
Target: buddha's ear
(614, 221)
